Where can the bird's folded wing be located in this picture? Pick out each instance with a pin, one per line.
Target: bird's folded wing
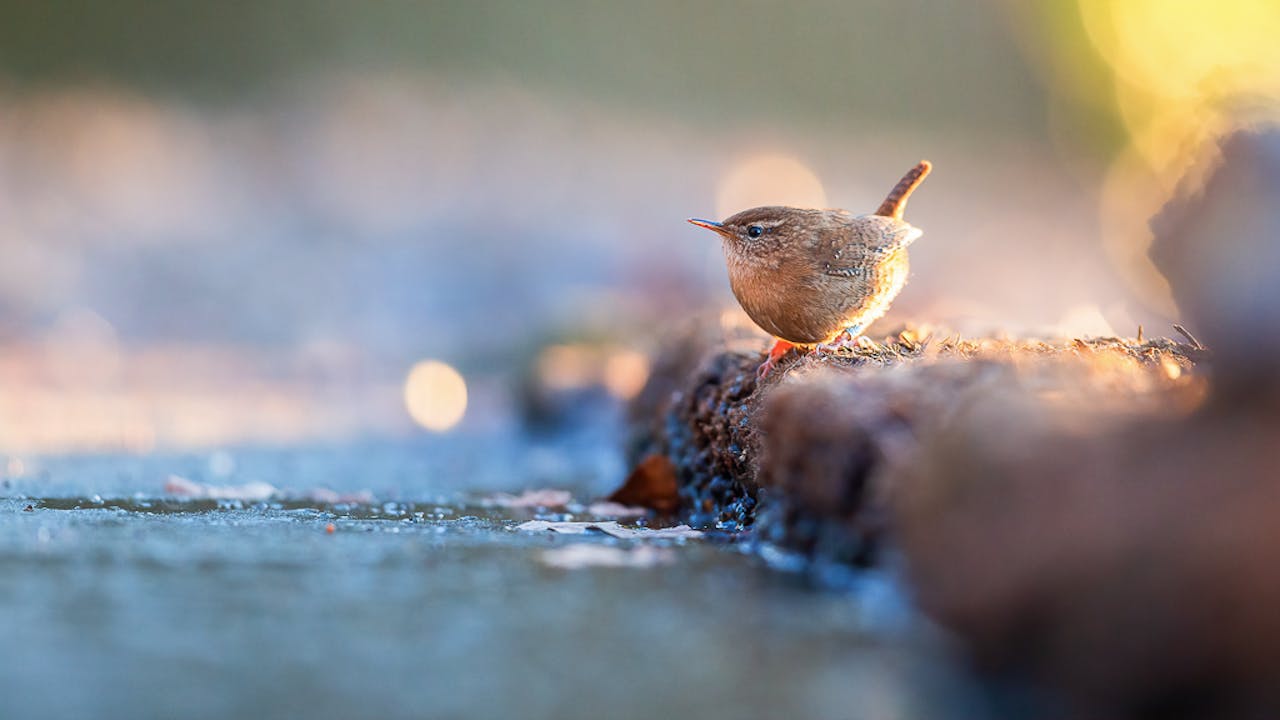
(867, 241)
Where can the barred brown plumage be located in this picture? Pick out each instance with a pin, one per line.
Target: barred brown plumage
(809, 276)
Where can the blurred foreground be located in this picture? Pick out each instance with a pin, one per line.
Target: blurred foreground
(141, 603)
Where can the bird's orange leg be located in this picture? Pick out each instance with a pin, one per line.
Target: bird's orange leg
(780, 348)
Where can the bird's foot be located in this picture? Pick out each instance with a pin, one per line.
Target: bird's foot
(779, 349)
(830, 347)
(848, 340)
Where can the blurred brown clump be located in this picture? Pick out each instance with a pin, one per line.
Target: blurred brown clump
(1219, 246)
(1129, 563)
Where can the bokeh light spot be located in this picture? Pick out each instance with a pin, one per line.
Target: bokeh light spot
(769, 179)
(625, 373)
(435, 395)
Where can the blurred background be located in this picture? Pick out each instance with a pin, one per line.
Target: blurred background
(287, 222)
(289, 288)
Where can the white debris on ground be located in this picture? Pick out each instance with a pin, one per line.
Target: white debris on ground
(584, 555)
(549, 498)
(611, 528)
(182, 487)
(179, 486)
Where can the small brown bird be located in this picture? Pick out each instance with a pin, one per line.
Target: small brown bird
(808, 276)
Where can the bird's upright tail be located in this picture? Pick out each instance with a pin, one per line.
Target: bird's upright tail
(894, 205)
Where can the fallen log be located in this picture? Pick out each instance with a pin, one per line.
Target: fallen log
(811, 444)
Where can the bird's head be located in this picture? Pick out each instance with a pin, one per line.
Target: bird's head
(762, 232)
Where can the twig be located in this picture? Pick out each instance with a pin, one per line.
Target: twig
(1190, 338)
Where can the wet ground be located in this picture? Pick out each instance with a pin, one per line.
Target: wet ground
(415, 600)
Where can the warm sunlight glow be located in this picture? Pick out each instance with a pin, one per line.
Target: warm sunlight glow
(1174, 75)
(621, 371)
(1083, 321)
(768, 179)
(1130, 195)
(1184, 72)
(567, 367)
(435, 395)
(625, 373)
(1182, 67)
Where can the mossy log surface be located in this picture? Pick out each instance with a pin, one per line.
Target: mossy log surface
(803, 456)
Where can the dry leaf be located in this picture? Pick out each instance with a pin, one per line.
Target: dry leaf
(651, 484)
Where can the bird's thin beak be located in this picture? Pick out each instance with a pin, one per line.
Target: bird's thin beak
(708, 224)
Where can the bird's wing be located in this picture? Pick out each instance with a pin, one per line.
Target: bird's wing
(865, 241)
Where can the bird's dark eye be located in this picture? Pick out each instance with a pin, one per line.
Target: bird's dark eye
(755, 231)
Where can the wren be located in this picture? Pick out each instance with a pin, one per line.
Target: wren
(807, 277)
